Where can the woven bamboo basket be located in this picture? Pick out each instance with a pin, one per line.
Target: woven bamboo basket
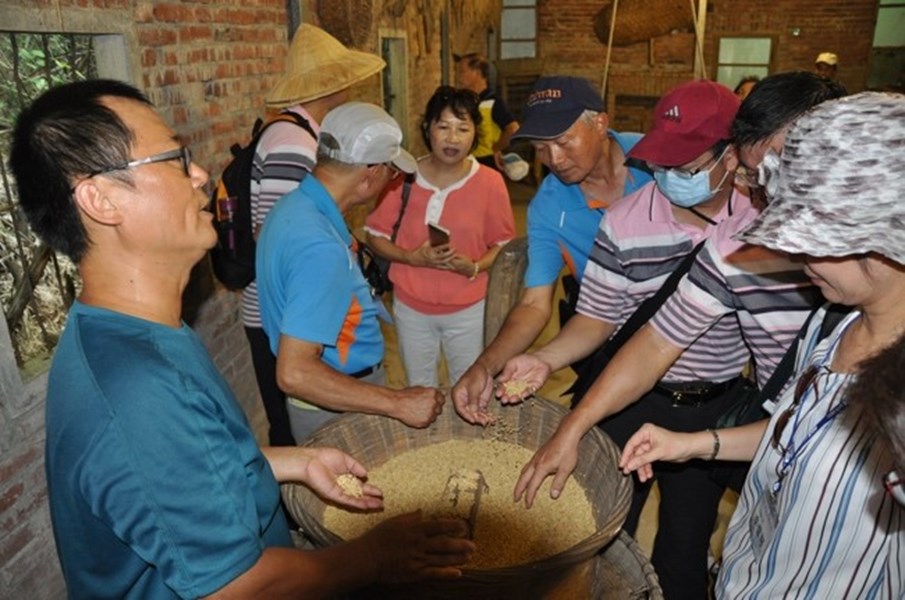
(373, 440)
(640, 20)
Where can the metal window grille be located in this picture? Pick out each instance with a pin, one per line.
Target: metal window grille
(36, 286)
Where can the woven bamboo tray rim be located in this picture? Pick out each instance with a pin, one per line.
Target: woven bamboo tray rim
(373, 440)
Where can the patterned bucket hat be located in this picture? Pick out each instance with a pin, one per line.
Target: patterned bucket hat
(840, 185)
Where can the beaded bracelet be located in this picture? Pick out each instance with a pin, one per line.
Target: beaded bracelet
(716, 444)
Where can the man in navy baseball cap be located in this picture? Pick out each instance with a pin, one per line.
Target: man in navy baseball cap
(565, 122)
(555, 103)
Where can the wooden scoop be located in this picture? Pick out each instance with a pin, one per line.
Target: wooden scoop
(462, 496)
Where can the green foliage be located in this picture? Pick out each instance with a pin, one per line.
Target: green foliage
(30, 64)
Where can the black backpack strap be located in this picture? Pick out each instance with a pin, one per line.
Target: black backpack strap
(596, 362)
(835, 313)
(406, 192)
(293, 118)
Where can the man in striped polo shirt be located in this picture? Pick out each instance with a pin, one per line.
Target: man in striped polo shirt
(643, 238)
(764, 288)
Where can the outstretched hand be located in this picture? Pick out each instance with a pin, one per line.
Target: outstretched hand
(326, 466)
(558, 458)
(471, 395)
(521, 377)
(650, 444)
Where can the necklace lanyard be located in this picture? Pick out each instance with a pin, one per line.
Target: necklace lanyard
(792, 450)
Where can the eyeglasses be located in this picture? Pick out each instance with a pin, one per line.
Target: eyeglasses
(893, 484)
(808, 378)
(183, 153)
(393, 169)
(689, 173)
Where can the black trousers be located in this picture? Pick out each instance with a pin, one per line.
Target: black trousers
(265, 365)
(689, 497)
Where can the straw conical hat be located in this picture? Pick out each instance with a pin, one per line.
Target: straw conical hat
(319, 65)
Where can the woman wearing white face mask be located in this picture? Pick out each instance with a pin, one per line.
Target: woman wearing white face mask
(814, 519)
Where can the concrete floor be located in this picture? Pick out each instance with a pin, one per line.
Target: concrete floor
(520, 195)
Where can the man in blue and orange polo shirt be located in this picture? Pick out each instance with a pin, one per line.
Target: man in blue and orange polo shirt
(316, 306)
(566, 123)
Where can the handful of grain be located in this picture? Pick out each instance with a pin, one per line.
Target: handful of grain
(516, 388)
(505, 533)
(350, 485)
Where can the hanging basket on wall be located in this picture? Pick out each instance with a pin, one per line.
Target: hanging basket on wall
(641, 20)
(349, 21)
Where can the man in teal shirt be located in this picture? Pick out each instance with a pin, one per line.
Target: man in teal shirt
(157, 488)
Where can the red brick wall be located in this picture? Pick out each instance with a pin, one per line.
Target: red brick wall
(567, 42)
(207, 65)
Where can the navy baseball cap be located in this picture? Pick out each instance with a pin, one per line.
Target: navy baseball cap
(555, 103)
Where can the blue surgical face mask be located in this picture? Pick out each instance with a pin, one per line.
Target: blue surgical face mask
(687, 190)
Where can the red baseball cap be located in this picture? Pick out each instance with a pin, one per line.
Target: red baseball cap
(688, 120)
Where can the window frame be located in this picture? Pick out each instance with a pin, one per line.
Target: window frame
(756, 68)
(521, 6)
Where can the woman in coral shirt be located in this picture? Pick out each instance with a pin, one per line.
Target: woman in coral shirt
(439, 288)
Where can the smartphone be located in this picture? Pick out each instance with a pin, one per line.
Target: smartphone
(438, 235)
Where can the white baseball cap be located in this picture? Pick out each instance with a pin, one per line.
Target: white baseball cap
(828, 58)
(359, 133)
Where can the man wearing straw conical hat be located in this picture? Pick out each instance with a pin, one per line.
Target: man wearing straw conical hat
(319, 73)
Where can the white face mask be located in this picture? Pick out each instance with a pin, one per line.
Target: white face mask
(687, 190)
(768, 172)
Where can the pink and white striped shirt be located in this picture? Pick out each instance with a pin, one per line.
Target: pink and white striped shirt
(285, 154)
(639, 244)
(766, 291)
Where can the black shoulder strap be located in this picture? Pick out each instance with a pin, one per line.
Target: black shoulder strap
(292, 118)
(835, 313)
(406, 192)
(596, 363)
(284, 117)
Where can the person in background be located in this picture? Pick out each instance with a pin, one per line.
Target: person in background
(497, 124)
(319, 73)
(157, 488)
(825, 65)
(566, 123)
(316, 305)
(745, 86)
(643, 238)
(439, 288)
(813, 519)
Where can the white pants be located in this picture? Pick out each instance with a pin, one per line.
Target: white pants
(421, 337)
(305, 418)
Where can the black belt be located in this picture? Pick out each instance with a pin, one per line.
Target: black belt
(364, 372)
(693, 393)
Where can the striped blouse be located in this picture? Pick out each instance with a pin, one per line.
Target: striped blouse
(838, 534)
(639, 244)
(285, 154)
